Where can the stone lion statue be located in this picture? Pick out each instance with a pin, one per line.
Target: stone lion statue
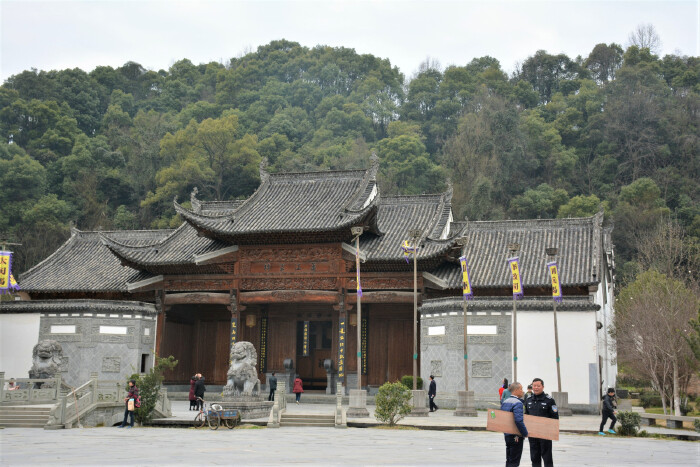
(47, 358)
(242, 376)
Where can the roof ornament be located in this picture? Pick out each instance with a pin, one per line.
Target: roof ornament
(264, 174)
(196, 205)
(373, 165)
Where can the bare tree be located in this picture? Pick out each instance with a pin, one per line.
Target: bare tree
(670, 251)
(651, 327)
(645, 36)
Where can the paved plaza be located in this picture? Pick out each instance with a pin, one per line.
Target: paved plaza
(317, 446)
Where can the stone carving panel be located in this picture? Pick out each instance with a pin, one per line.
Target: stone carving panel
(482, 369)
(436, 368)
(111, 364)
(318, 253)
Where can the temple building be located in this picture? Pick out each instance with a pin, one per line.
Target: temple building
(278, 269)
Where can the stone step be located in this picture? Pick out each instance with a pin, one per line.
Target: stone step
(307, 417)
(321, 425)
(34, 418)
(22, 424)
(25, 409)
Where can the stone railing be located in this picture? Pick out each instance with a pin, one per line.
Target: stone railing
(79, 402)
(30, 391)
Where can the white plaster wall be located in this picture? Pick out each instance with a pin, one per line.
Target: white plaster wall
(19, 333)
(577, 349)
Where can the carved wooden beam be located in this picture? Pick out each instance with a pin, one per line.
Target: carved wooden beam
(289, 296)
(209, 298)
(383, 297)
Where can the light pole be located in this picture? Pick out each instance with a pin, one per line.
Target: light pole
(552, 253)
(562, 398)
(465, 399)
(357, 231)
(513, 248)
(415, 235)
(463, 243)
(358, 397)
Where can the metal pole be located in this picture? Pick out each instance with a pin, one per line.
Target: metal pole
(466, 364)
(359, 315)
(415, 318)
(514, 247)
(515, 343)
(556, 344)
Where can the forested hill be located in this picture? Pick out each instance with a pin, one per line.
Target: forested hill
(109, 149)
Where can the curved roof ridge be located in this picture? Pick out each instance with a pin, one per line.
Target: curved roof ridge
(60, 251)
(188, 213)
(393, 199)
(163, 241)
(318, 173)
(445, 200)
(544, 222)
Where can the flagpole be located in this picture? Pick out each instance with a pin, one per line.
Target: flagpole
(513, 248)
(357, 231)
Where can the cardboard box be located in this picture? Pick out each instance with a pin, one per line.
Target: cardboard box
(537, 427)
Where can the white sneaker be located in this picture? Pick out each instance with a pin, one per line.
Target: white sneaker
(297, 402)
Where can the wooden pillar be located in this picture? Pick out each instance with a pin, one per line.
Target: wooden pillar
(160, 323)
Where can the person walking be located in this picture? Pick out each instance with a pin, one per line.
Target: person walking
(505, 394)
(609, 411)
(514, 443)
(541, 404)
(432, 391)
(272, 382)
(503, 387)
(298, 388)
(130, 402)
(193, 398)
(199, 389)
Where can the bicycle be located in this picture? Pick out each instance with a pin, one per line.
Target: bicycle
(208, 414)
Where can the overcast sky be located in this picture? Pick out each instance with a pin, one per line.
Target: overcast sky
(58, 34)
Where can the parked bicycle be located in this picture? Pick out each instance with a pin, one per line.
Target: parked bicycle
(209, 415)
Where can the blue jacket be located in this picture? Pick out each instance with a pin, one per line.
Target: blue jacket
(515, 405)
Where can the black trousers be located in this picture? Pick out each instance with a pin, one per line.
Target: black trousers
(271, 397)
(541, 450)
(514, 450)
(128, 413)
(432, 403)
(607, 415)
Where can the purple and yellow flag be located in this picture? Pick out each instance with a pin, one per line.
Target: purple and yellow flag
(556, 286)
(407, 250)
(515, 272)
(466, 283)
(7, 280)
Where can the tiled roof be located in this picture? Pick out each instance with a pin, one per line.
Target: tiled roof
(167, 254)
(451, 304)
(294, 208)
(398, 215)
(84, 264)
(77, 305)
(578, 240)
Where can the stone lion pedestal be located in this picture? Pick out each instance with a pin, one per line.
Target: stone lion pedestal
(242, 390)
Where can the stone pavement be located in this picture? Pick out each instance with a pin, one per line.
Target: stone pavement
(316, 446)
(440, 420)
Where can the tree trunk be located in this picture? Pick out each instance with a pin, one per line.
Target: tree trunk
(676, 393)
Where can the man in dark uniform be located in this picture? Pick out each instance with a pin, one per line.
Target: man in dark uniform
(432, 391)
(541, 404)
(514, 444)
(272, 382)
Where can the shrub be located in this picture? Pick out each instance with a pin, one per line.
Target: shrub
(408, 382)
(149, 387)
(392, 403)
(629, 423)
(650, 399)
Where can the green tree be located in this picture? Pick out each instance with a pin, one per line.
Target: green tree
(392, 403)
(543, 201)
(150, 385)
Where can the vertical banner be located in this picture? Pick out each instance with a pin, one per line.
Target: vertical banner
(341, 347)
(407, 250)
(5, 265)
(305, 342)
(517, 284)
(263, 344)
(234, 333)
(556, 286)
(364, 344)
(466, 283)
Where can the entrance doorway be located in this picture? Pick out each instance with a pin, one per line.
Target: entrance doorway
(320, 342)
